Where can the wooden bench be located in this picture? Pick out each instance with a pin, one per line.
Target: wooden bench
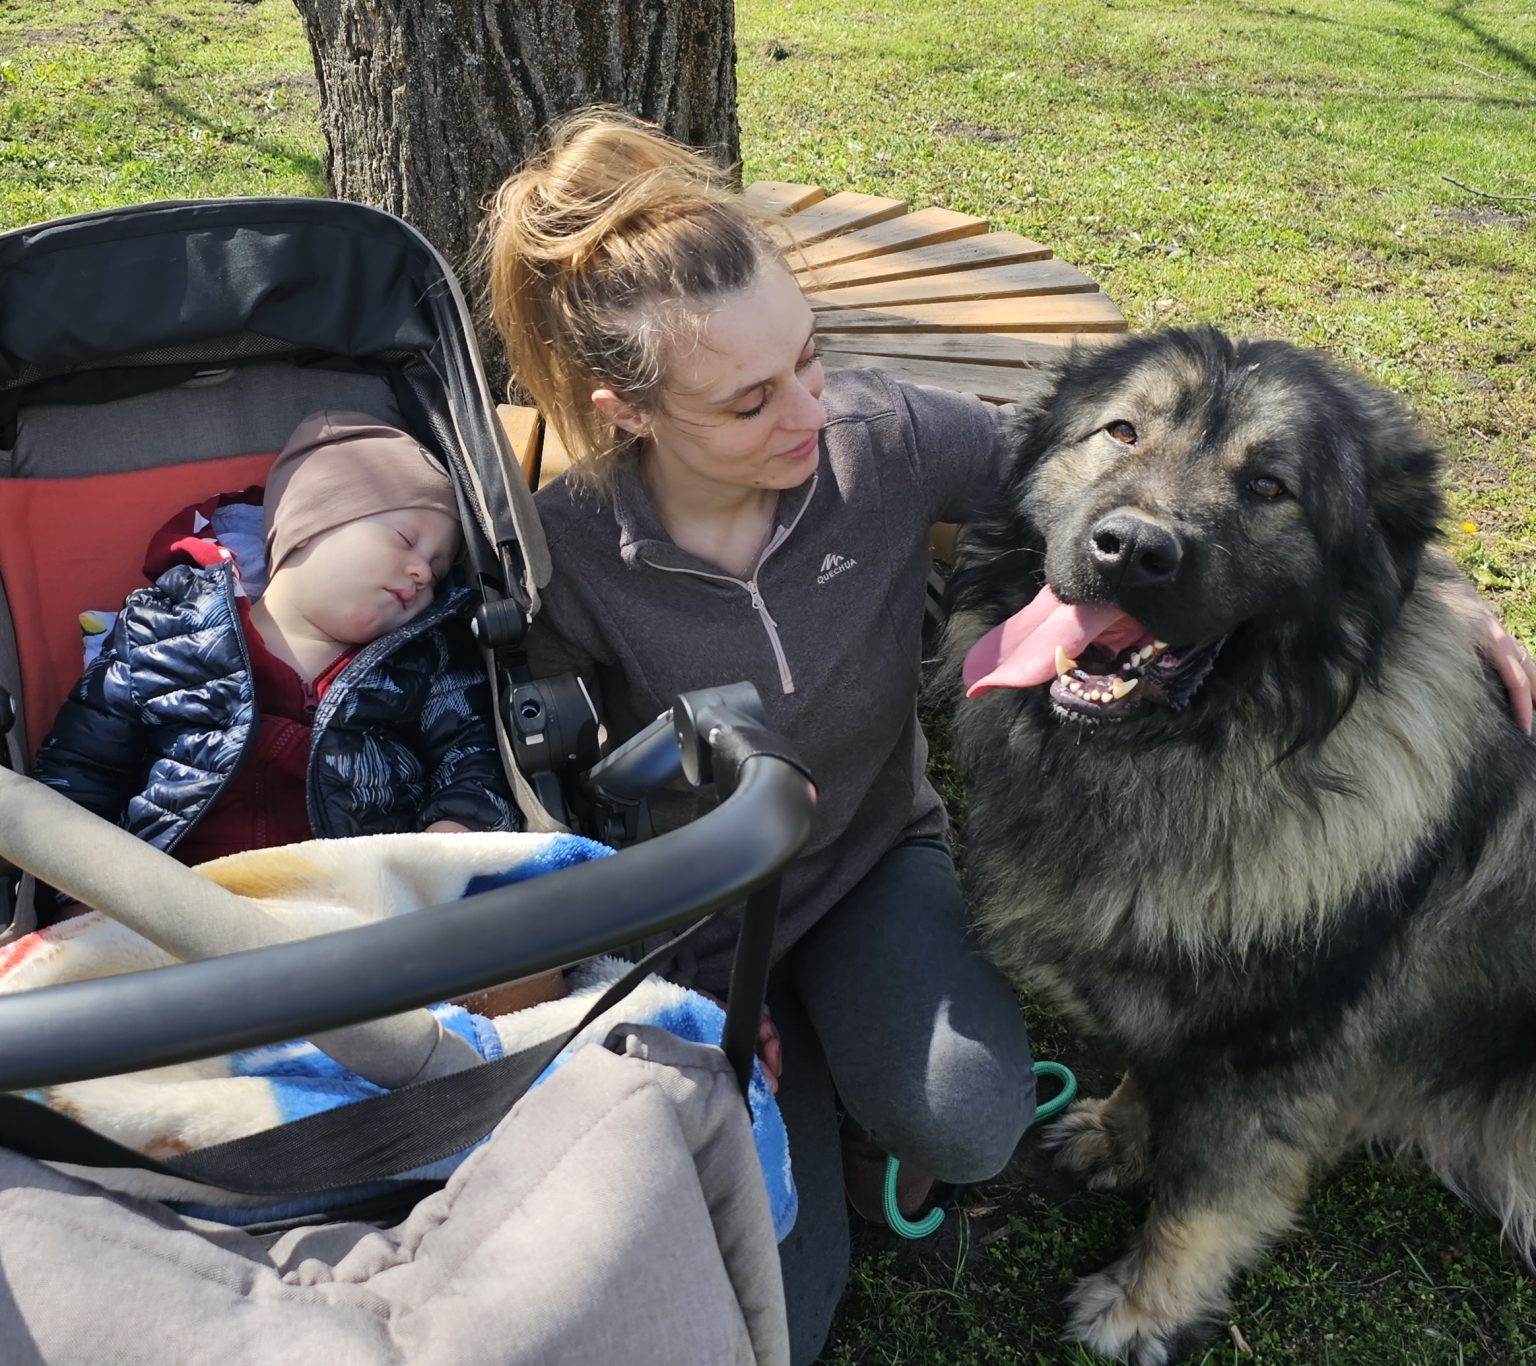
(932, 297)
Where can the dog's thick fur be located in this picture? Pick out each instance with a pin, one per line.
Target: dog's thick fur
(1302, 906)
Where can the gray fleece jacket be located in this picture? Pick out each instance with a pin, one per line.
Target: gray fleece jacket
(828, 626)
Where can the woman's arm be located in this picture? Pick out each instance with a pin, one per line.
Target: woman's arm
(959, 448)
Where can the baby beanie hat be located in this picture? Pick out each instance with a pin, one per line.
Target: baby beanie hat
(339, 466)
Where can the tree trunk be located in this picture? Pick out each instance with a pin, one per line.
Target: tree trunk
(427, 105)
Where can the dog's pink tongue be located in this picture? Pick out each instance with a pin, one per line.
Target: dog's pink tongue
(1021, 652)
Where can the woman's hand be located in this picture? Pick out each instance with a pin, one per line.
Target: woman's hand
(1508, 656)
(770, 1049)
(1515, 667)
(770, 1052)
(446, 828)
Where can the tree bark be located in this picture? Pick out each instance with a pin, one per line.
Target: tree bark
(427, 105)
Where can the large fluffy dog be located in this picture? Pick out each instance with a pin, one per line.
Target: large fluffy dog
(1245, 797)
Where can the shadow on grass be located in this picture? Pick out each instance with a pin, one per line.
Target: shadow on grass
(147, 79)
(1456, 13)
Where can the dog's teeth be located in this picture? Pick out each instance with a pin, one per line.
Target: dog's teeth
(1122, 687)
(1063, 664)
(1158, 646)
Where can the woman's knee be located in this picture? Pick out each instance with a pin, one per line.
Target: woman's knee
(963, 1113)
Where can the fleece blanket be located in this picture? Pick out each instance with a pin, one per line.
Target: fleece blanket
(316, 887)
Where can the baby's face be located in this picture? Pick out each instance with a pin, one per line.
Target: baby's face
(365, 578)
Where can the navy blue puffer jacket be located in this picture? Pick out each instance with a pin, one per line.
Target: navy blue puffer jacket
(165, 715)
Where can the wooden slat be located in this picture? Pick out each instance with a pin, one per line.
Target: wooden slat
(840, 213)
(1024, 278)
(926, 227)
(969, 253)
(941, 541)
(781, 196)
(971, 348)
(522, 427)
(1030, 313)
(995, 383)
(554, 459)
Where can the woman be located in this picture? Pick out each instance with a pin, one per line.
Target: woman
(733, 513)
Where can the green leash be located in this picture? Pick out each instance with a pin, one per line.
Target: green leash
(921, 1228)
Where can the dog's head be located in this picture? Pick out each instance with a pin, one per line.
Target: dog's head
(1187, 497)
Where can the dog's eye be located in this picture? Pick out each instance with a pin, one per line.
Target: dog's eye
(1267, 487)
(1122, 432)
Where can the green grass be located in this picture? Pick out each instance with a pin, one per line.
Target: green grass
(121, 104)
(1390, 1270)
(1273, 166)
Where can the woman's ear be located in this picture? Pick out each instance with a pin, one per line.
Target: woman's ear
(624, 416)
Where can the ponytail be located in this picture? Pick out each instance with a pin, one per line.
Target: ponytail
(609, 244)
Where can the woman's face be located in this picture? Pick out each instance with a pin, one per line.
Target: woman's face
(741, 406)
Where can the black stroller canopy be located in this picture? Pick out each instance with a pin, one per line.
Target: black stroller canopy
(224, 281)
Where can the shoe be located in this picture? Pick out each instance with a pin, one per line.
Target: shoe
(864, 1177)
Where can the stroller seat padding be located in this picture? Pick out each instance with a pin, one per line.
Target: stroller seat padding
(240, 410)
(73, 545)
(606, 1219)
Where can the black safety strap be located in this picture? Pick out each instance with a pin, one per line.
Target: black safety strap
(352, 1145)
(10, 877)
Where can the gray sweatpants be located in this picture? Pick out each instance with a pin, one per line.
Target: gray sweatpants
(888, 1006)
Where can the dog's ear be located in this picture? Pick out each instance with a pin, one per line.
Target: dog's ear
(1386, 511)
(998, 553)
(1033, 421)
(1379, 468)
(1401, 465)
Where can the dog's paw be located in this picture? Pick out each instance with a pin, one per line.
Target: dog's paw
(1106, 1319)
(1089, 1149)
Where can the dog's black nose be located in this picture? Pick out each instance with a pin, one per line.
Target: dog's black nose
(1133, 551)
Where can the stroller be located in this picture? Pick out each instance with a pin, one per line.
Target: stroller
(153, 356)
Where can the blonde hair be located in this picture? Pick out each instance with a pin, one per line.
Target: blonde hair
(605, 246)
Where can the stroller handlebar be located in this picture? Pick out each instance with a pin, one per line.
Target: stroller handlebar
(298, 989)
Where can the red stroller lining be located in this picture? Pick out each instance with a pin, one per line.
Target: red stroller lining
(73, 545)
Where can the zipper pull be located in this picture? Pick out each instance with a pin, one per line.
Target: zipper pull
(759, 604)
